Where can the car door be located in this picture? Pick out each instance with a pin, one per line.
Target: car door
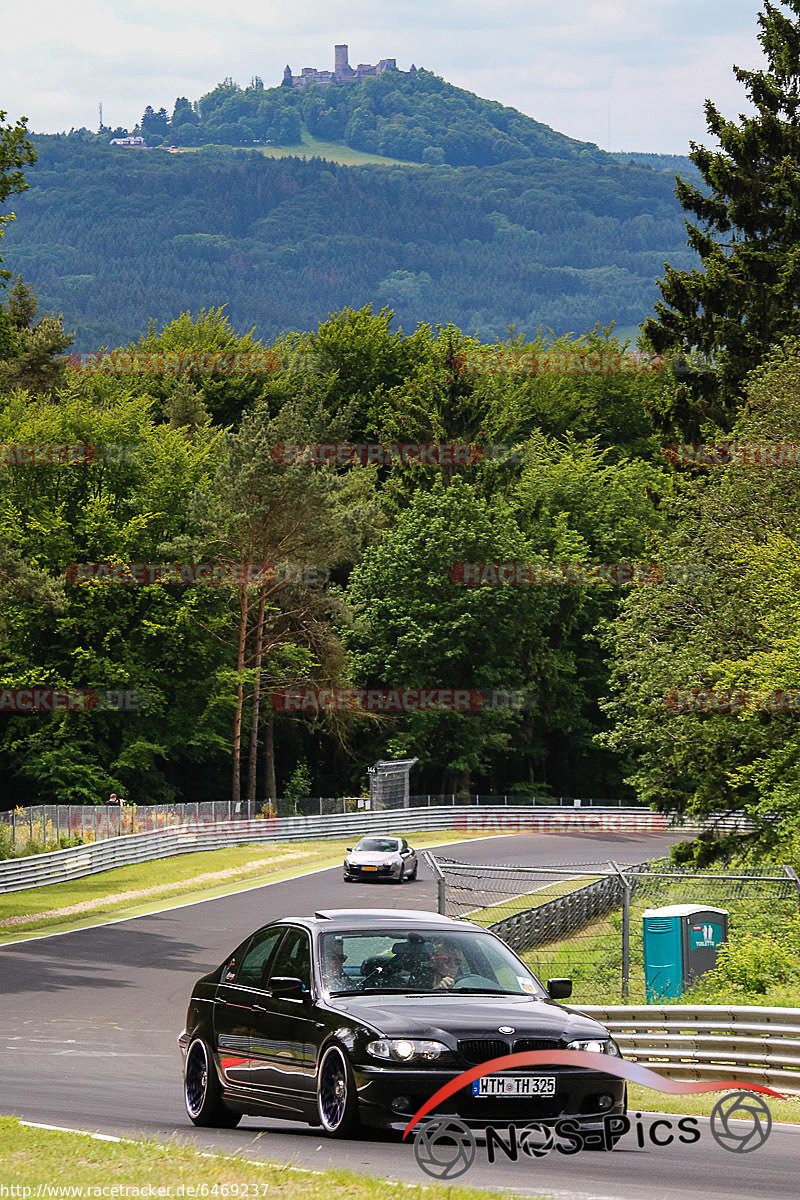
(281, 1032)
(408, 856)
(242, 981)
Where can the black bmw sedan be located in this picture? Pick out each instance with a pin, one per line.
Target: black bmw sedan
(356, 1017)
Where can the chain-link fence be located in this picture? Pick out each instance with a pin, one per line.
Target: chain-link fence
(584, 920)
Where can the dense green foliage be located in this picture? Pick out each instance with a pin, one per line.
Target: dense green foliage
(383, 610)
(729, 621)
(112, 237)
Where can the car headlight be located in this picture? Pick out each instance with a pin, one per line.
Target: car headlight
(407, 1049)
(596, 1046)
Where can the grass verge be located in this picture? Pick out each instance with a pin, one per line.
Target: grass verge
(40, 1157)
(511, 905)
(311, 147)
(642, 1099)
(203, 875)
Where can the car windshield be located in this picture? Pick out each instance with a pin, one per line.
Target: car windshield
(422, 961)
(378, 845)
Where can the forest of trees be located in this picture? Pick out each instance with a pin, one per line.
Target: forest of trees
(198, 483)
(418, 117)
(364, 589)
(111, 237)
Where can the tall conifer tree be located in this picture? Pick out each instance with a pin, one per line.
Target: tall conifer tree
(746, 295)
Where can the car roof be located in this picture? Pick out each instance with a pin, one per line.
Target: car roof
(350, 918)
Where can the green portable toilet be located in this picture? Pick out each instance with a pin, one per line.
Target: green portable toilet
(680, 944)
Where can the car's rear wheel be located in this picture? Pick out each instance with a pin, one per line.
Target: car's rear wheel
(201, 1090)
(337, 1103)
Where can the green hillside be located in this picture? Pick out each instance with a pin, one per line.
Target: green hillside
(415, 117)
(312, 147)
(518, 226)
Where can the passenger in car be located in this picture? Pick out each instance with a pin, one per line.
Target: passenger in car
(333, 969)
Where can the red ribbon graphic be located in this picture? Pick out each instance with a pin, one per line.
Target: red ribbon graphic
(611, 1065)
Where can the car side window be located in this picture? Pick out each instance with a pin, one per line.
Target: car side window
(254, 965)
(293, 958)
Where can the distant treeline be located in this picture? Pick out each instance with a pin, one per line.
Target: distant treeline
(111, 237)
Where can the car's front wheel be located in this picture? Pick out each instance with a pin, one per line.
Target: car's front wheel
(337, 1103)
(201, 1090)
(413, 874)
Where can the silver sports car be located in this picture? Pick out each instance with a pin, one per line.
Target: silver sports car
(380, 858)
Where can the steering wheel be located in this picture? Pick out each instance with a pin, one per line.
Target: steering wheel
(474, 981)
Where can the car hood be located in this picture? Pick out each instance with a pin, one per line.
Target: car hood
(448, 1013)
(370, 858)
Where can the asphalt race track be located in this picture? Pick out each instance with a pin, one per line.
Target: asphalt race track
(89, 1021)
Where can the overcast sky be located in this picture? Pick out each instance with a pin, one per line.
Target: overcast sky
(650, 64)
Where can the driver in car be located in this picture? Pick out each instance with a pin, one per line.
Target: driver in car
(446, 964)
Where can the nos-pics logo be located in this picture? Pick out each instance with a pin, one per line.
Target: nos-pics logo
(445, 1148)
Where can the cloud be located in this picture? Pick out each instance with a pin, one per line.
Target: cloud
(653, 61)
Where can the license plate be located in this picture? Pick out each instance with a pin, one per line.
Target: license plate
(515, 1085)
(369, 868)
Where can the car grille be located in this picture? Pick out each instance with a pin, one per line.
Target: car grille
(477, 1050)
(522, 1044)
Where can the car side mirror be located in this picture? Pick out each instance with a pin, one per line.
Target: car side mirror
(287, 987)
(349, 849)
(559, 989)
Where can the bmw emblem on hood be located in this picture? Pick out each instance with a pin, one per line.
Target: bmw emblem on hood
(505, 1029)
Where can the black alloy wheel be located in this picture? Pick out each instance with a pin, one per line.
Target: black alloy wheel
(201, 1090)
(336, 1094)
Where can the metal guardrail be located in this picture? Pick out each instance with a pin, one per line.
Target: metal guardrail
(59, 865)
(45, 823)
(709, 1042)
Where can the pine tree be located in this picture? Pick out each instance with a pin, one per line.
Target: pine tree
(36, 359)
(746, 296)
(185, 408)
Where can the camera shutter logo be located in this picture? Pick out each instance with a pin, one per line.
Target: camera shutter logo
(537, 1139)
(444, 1149)
(748, 1109)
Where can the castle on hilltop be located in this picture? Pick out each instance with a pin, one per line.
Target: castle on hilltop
(342, 71)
